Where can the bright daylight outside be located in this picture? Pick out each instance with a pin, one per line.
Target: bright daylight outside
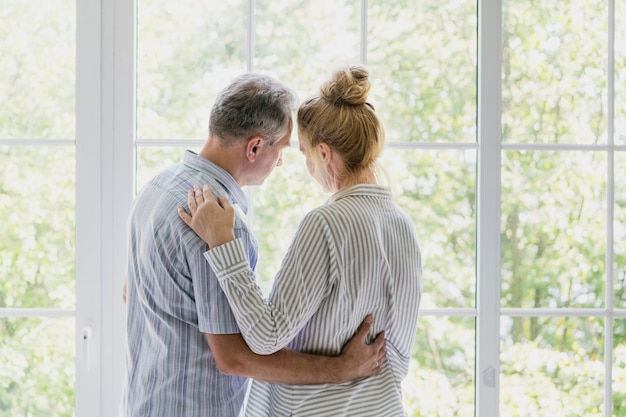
(562, 259)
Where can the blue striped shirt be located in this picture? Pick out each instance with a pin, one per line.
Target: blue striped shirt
(356, 255)
(173, 298)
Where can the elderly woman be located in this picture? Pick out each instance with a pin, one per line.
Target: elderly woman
(355, 255)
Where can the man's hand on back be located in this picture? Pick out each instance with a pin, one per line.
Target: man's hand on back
(359, 359)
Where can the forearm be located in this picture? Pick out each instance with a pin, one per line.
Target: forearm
(291, 367)
(233, 357)
(267, 328)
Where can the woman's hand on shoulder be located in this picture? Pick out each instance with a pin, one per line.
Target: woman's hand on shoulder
(213, 219)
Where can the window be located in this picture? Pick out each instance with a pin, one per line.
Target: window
(37, 207)
(506, 143)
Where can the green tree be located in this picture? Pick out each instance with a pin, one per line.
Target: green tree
(37, 242)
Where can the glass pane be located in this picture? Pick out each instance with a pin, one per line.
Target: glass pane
(619, 367)
(554, 71)
(620, 72)
(152, 159)
(37, 238)
(423, 58)
(302, 42)
(37, 78)
(619, 228)
(436, 188)
(441, 380)
(551, 367)
(187, 51)
(278, 206)
(37, 368)
(553, 229)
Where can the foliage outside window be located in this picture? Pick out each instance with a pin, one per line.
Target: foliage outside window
(561, 175)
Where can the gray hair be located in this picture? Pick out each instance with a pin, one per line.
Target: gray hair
(253, 104)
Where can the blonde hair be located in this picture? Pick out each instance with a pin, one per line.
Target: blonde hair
(341, 117)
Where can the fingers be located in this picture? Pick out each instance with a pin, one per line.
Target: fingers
(202, 197)
(199, 195)
(191, 201)
(379, 342)
(207, 194)
(184, 216)
(365, 327)
(379, 345)
(224, 202)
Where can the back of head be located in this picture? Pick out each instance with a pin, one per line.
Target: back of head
(252, 105)
(341, 117)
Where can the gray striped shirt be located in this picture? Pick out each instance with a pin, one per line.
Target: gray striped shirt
(173, 299)
(356, 255)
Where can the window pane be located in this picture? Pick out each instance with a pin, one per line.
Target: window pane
(619, 367)
(186, 52)
(620, 72)
(554, 71)
(302, 42)
(553, 229)
(37, 238)
(37, 369)
(279, 205)
(436, 188)
(423, 58)
(619, 227)
(551, 367)
(441, 381)
(37, 79)
(152, 159)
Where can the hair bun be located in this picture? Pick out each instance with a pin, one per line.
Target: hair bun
(347, 86)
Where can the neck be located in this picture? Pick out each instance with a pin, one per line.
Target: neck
(365, 176)
(226, 157)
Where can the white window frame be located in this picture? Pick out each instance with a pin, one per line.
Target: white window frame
(105, 169)
(105, 114)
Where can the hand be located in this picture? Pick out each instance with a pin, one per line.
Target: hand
(124, 291)
(212, 219)
(358, 359)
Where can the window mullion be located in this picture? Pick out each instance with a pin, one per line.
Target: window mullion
(610, 205)
(88, 207)
(118, 186)
(250, 37)
(488, 244)
(364, 11)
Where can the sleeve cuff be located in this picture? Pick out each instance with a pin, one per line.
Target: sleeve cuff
(227, 259)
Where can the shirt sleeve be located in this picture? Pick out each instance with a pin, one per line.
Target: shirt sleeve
(212, 307)
(214, 313)
(300, 286)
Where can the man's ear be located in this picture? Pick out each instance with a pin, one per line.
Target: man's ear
(252, 147)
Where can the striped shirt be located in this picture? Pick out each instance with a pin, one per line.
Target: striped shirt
(173, 299)
(356, 255)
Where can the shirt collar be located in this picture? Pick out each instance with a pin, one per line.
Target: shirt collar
(371, 190)
(235, 193)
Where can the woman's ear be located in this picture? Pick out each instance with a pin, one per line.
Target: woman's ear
(252, 147)
(324, 152)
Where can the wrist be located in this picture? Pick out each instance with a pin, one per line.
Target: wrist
(339, 371)
(221, 240)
